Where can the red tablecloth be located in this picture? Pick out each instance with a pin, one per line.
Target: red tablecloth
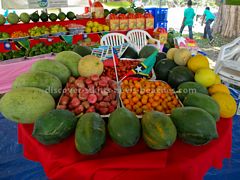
(181, 161)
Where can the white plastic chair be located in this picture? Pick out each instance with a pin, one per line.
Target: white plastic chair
(228, 63)
(114, 39)
(139, 39)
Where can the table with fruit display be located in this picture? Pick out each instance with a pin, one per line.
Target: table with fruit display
(78, 122)
(32, 36)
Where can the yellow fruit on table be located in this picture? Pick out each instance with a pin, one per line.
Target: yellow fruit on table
(197, 62)
(181, 56)
(90, 24)
(95, 24)
(228, 105)
(100, 28)
(106, 28)
(218, 79)
(94, 29)
(88, 29)
(205, 77)
(216, 88)
(171, 52)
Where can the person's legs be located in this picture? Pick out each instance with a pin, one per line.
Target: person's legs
(181, 29)
(190, 32)
(205, 33)
(208, 29)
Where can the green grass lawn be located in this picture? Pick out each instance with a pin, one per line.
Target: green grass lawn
(233, 2)
(118, 4)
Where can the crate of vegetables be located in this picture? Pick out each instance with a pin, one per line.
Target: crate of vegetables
(93, 94)
(141, 95)
(124, 66)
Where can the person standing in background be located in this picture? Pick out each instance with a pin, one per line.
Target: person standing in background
(209, 16)
(188, 19)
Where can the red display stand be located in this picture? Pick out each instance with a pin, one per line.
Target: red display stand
(95, 37)
(181, 161)
(25, 27)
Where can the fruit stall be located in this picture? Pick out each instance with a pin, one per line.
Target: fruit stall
(128, 114)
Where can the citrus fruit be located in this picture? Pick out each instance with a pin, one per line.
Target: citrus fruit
(100, 28)
(106, 28)
(216, 88)
(95, 24)
(205, 77)
(228, 105)
(94, 29)
(88, 30)
(197, 62)
(90, 24)
(217, 80)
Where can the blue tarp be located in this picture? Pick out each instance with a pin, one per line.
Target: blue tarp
(14, 166)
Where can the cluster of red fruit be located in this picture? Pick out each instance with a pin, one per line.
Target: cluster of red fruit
(93, 94)
(123, 67)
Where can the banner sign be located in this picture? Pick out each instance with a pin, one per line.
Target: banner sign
(47, 3)
(37, 4)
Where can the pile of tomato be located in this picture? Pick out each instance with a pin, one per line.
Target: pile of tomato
(143, 95)
(123, 67)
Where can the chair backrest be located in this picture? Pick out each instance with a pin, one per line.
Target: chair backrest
(114, 39)
(139, 38)
(230, 51)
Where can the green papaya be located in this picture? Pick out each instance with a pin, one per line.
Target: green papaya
(124, 127)
(55, 126)
(158, 129)
(205, 102)
(90, 134)
(189, 88)
(194, 125)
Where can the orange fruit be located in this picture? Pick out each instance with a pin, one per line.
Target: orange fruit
(163, 96)
(139, 104)
(135, 99)
(218, 88)
(145, 97)
(125, 82)
(149, 105)
(144, 107)
(144, 101)
(159, 108)
(151, 100)
(123, 95)
(139, 111)
(156, 98)
(135, 107)
(134, 93)
(129, 96)
(157, 83)
(228, 105)
(169, 98)
(129, 107)
(151, 95)
(138, 85)
(175, 101)
(126, 101)
(154, 104)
